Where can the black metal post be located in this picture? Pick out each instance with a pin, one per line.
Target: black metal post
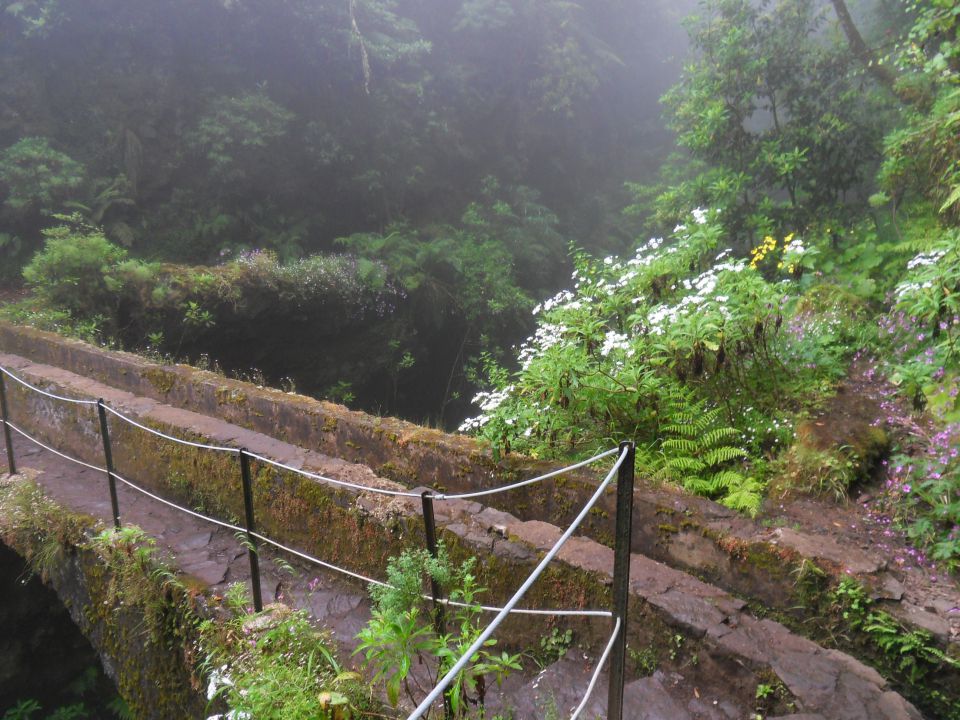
(6, 428)
(108, 458)
(621, 580)
(439, 614)
(252, 546)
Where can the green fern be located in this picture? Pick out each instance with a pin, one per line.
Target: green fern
(698, 451)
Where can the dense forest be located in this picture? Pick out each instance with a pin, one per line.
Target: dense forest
(412, 173)
(366, 200)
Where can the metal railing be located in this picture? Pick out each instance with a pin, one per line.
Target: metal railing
(622, 470)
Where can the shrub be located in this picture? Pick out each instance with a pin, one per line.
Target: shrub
(73, 270)
(400, 632)
(36, 176)
(236, 131)
(677, 337)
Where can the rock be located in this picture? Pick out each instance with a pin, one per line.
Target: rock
(854, 560)
(915, 615)
(890, 589)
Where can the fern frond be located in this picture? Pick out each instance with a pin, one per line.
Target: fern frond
(746, 497)
(680, 445)
(727, 480)
(717, 436)
(685, 465)
(686, 429)
(706, 419)
(697, 485)
(723, 454)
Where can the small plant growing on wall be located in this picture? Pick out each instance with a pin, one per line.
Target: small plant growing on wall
(404, 651)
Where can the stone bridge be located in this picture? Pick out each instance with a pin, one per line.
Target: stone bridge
(714, 597)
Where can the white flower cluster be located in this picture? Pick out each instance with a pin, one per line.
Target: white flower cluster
(905, 289)
(796, 247)
(702, 296)
(930, 258)
(616, 341)
(219, 679)
(546, 336)
(488, 402)
(564, 296)
(647, 254)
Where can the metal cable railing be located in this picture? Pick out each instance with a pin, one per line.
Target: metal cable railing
(481, 640)
(44, 392)
(615, 646)
(179, 441)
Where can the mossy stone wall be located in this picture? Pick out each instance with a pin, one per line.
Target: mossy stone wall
(150, 653)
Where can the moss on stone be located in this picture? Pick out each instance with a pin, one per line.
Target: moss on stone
(162, 380)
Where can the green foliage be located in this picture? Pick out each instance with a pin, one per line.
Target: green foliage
(929, 293)
(36, 17)
(821, 473)
(925, 496)
(275, 665)
(37, 177)
(698, 451)
(691, 353)
(911, 654)
(75, 270)
(399, 641)
(23, 710)
(238, 132)
(551, 648)
(772, 107)
(646, 660)
(922, 155)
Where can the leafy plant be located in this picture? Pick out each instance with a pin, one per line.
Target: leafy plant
(809, 470)
(551, 648)
(909, 653)
(775, 112)
(691, 353)
(23, 710)
(37, 177)
(924, 488)
(698, 451)
(276, 666)
(237, 131)
(74, 270)
(400, 640)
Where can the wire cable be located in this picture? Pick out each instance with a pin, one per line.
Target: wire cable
(459, 496)
(304, 556)
(597, 671)
(44, 392)
(341, 483)
(182, 509)
(202, 446)
(502, 615)
(55, 452)
(539, 478)
(527, 611)
(319, 562)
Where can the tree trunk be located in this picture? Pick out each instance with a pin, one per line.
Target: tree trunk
(883, 74)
